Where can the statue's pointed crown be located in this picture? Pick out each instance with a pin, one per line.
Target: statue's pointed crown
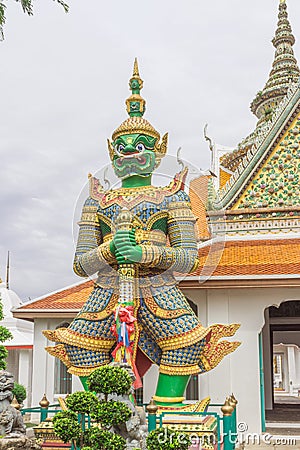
(136, 106)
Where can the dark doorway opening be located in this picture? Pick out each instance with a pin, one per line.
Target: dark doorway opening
(284, 353)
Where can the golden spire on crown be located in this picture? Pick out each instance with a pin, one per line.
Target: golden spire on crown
(135, 104)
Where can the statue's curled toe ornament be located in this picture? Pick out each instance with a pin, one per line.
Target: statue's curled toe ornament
(135, 237)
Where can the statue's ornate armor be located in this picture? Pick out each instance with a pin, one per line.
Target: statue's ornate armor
(170, 333)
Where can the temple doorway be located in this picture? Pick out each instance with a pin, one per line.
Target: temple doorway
(285, 346)
(281, 362)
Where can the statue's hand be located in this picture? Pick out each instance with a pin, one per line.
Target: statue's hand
(125, 247)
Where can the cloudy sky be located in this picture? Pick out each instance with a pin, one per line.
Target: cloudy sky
(64, 79)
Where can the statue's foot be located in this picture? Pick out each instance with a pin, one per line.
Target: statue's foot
(166, 402)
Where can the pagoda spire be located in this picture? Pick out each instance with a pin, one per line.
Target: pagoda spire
(284, 69)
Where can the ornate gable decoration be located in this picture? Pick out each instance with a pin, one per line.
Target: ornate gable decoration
(276, 183)
(267, 141)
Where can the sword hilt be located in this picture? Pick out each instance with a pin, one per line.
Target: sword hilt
(124, 220)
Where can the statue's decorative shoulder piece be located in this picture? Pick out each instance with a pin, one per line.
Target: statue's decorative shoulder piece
(135, 238)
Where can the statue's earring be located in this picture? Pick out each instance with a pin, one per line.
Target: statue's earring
(161, 149)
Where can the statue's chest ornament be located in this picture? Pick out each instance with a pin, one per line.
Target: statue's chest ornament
(130, 198)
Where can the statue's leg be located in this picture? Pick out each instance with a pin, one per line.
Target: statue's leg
(179, 336)
(86, 344)
(170, 389)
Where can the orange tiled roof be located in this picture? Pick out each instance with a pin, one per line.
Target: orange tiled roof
(198, 195)
(253, 257)
(233, 258)
(71, 298)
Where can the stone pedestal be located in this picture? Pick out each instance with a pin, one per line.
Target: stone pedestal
(21, 443)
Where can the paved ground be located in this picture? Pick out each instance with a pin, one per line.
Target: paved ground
(295, 446)
(283, 431)
(286, 399)
(288, 414)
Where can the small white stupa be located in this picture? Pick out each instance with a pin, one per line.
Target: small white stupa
(19, 360)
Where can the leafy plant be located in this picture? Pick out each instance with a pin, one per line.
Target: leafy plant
(166, 439)
(106, 414)
(108, 380)
(19, 391)
(66, 426)
(64, 414)
(111, 413)
(104, 440)
(82, 402)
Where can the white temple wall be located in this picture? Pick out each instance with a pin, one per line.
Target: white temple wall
(25, 373)
(43, 363)
(239, 372)
(150, 382)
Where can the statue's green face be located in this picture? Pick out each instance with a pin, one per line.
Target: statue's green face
(134, 155)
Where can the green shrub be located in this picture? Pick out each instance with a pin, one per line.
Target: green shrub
(106, 380)
(19, 391)
(67, 429)
(63, 415)
(110, 380)
(82, 402)
(5, 334)
(104, 440)
(111, 413)
(166, 439)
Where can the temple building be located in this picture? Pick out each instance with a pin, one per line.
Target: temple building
(250, 260)
(249, 249)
